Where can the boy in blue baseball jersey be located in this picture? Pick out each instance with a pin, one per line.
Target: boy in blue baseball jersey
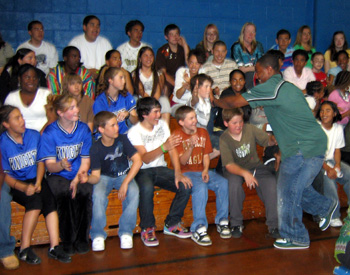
(24, 175)
(64, 148)
(110, 169)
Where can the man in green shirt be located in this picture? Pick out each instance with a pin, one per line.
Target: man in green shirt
(303, 145)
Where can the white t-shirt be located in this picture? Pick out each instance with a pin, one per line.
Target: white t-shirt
(335, 138)
(46, 55)
(202, 109)
(147, 83)
(179, 80)
(35, 114)
(151, 140)
(92, 53)
(129, 55)
(311, 101)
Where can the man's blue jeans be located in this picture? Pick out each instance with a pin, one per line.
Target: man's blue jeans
(216, 183)
(295, 194)
(101, 190)
(164, 178)
(7, 242)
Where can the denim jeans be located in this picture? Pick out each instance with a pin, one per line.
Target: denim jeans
(330, 188)
(295, 194)
(101, 190)
(7, 242)
(164, 178)
(216, 183)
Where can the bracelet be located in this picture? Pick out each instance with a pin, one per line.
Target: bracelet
(164, 151)
(14, 186)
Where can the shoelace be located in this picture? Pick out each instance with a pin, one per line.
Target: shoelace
(150, 235)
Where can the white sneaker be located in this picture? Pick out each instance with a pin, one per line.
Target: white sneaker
(126, 242)
(98, 244)
(336, 222)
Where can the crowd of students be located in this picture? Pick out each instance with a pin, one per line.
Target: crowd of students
(104, 115)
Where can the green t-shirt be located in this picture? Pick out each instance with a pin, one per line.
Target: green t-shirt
(291, 119)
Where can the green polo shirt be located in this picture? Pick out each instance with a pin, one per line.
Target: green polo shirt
(291, 119)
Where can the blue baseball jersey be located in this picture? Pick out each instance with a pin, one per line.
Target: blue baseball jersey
(123, 103)
(56, 143)
(19, 160)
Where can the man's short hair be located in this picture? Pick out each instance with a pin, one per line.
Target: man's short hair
(219, 43)
(182, 112)
(277, 53)
(169, 28)
(200, 78)
(101, 119)
(300, 52)
(32, 23)
(228, 114)
(283, 31)
(88, 18)
(133, 23)
(315, 54)
(145, 105)
(68, 49)
(269, 60)
(337, 54)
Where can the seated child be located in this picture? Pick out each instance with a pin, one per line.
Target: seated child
(333, 170)
(342, 58)
(317, 61)
(72, 84)
(314, 95)
(241, 164)
(200, 101)
(110, 169)
(298, 74)
(151, 138)
(113, 59)
(194, 159)
(116, 99)
(283, 39)
(25, 176)
(64, 148)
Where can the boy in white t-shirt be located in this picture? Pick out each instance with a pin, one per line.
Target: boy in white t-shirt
(130, 49)
(151, 138)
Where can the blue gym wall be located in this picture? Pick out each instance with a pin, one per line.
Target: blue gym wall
(63, 19)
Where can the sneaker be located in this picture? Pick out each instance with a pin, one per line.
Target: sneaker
(57, 253)
(126, 242)
(286, 244)
(274, 233)
(29, 256)
(223, 229)
(68, 248)
(236, 231)
(98, 244)
(336, 222)
(82, 247)
(10, 262)
(201, 237)
(148, 236)
(324, 223)
(177, 230)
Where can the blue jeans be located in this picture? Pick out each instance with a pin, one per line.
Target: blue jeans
(330, 188)
(101, 190)
(216, 183)
(164, 178)
(295, 194)
(7, 242)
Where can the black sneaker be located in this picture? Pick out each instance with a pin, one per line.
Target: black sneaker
(29, 256)
(237, 231)
(274, 233)
(57, 253)
(68, 248)
(82, 248)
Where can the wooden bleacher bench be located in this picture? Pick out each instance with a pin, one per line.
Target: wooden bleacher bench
(252, 208)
